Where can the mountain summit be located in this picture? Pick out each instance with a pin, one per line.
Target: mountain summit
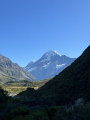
(49, 65)
(51, 53)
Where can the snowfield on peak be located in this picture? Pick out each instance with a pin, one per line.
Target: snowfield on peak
(49, 65)
(51, 53)
(58, 66)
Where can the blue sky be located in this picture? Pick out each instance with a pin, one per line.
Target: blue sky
(29, 28)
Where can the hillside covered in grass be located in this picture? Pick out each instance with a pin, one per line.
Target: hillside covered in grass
(15, 87)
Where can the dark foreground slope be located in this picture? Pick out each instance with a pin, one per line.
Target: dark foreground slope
(11, 71)
(71, 84)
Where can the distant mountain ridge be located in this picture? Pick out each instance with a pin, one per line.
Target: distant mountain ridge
(12, 71)
(49, 65)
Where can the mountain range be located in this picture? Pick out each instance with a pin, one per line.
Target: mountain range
(49, 65)
(64, 97)
(12, 71)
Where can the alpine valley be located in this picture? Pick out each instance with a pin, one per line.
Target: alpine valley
(63, 97)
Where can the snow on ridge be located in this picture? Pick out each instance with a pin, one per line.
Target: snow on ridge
(56, 52)
(46, 59)
(33, 61)
(58, 66)
(46, 66)
(49, 54)
(52, 53)
(32, 69)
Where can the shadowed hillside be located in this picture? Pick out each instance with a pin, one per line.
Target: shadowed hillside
(72, 83)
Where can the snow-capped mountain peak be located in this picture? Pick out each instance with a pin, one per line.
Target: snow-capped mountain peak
(51, 53)
(33, 61)
(49, 65)
(56, 52)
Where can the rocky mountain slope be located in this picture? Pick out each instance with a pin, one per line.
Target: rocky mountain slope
(11, 71)
(49, 65)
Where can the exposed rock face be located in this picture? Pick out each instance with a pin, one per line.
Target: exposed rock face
(49, 65)
(12, 71)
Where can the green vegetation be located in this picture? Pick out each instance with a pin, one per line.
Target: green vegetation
(15, 87)
(24, 113)
(3, 101)
(80, 112)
